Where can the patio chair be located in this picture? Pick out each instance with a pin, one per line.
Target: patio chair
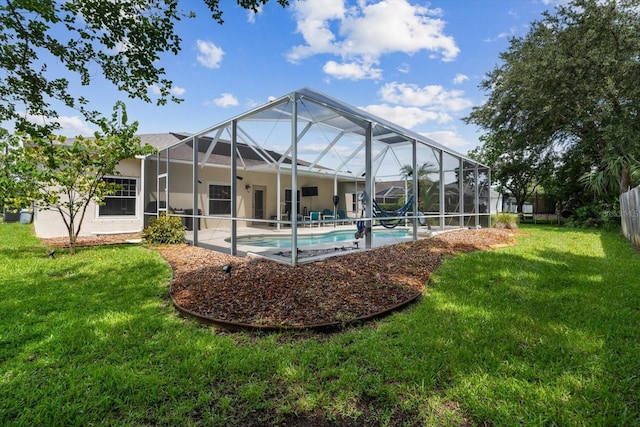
(341, 216)
(327, 214)
(313, 218)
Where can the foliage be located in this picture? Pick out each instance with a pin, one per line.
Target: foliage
(427, 188)
(615, 172)
(66, 176)
(570, 86)
(515, 169)
(595, 215)
(45, 44)
(545, 332)
(165, 229)
(505, 220)
(390, 206)
(9, 184)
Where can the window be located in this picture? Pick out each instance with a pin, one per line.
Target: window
(287, 201)
(355, 201)
(219, 199)
(123, 203)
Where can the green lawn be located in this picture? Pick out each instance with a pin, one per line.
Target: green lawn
(543, 333)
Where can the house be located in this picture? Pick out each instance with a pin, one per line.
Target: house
(333, 155)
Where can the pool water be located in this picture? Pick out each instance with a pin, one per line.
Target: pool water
(314, 239)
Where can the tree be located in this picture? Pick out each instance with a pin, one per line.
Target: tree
(426, 187)
(43, 44)
(66, 176)
(516, 170)
(570, 86)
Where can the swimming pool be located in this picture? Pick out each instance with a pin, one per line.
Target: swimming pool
(314, 239)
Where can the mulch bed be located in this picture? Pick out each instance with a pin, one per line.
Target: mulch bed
(262, 293)
(336, 291)
(103, 239)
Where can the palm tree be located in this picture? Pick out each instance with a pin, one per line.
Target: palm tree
(427, 188)
(617, 174)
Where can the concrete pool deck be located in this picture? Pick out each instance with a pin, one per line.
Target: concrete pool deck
(218, 240)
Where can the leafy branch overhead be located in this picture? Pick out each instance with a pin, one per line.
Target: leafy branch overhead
(126, 39)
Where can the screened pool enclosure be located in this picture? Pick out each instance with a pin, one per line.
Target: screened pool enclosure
(308, 163)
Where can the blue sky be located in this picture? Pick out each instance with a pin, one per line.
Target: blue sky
(415, 63)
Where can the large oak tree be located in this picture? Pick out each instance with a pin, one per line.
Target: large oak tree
(571, 86)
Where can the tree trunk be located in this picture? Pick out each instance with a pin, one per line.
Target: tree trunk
(72, 242)
(625, 179)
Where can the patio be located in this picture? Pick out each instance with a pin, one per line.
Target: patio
(345, 241)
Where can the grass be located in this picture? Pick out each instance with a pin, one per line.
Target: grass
(543, 333)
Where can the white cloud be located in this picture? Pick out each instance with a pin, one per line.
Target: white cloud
(74, 125)
(175, 90)
(430, 96)
(460, 78)
(364, 32)
(224, 100)
(210, 55)
(314, 18)
(404, 68)
(352, 70)
(447, 138)
(69, 125)
(503, 35)
(407, 117)
(251, 15)
(410, 105)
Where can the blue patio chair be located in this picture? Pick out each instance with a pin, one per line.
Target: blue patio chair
(341, 216)
(314, 218)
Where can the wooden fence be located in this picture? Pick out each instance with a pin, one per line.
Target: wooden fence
(630, 213)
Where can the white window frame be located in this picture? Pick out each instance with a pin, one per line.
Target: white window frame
(209, 199)
(136, 198)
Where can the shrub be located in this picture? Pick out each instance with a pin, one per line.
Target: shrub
(505, 220)
(595, 216)
(165, 229)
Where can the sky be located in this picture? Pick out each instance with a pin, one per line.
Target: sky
(418, 64)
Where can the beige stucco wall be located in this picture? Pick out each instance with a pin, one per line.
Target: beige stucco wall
(48, 223)
(181, 183)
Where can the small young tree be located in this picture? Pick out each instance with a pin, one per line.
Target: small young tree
(66, 176)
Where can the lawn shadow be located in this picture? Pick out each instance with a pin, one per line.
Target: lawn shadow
(551, 318)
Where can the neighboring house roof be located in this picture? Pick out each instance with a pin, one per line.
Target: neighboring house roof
(161, 141)
(393, 192)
